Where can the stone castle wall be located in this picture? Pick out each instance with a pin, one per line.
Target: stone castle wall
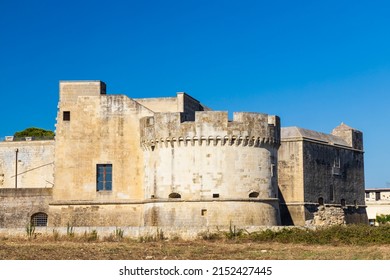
(35, 164)
(150, 168)
(176, 164)
(321, 169)
(211, 164)
(18, 205)
(334, 184)
(102, 129)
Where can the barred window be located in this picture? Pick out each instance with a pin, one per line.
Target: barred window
(104, 177)
(39, 219)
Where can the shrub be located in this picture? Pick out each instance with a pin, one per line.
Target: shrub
(158, 236)
(30, 230)
(234, 232)
(383, 219)
(69, 230)
(348, 235)
(117, 235)
(91, 236)
(56, 235)
(207, 235)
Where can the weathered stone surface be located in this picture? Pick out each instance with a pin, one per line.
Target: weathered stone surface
(177, 164)
(317, 168)
(35, 164)
(328, 216)
(173, 147)
(18, 205)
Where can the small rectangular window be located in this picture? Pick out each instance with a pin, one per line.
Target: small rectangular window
(66, 116)
(104, 177)
(331, 193)
(273, 170)
(336, 169)
(377, 196)
(215, 195)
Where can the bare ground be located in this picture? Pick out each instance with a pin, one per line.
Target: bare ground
(24, 249)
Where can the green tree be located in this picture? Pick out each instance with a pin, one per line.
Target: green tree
(34, 132)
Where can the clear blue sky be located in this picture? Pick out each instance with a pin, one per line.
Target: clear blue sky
(313, 63)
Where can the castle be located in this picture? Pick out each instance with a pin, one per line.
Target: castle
(173, 162)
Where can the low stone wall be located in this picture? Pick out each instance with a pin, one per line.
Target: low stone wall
(301, 214)
(189, 233)
(333, 215)
(328, 216)
(18, 205)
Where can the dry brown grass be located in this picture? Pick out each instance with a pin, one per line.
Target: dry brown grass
(63, 248)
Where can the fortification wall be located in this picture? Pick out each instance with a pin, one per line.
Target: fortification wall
(167, 213)
(101, 130)
(249, 129)
(146, 232)
(212, 158)
(211, 213)
(335, 174)
(103, 213)
(34, 165)
(166, 104)
(18, 205)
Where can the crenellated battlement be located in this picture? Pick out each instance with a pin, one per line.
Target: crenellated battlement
(210, 128)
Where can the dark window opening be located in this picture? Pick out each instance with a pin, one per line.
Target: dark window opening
(367, 195)
(273, 170)
(174, 195)
(331, 193)
(343, 202)
(215, 195)
(377, 196)
(254, 194)
(39, 219)
(336, 170)
(203, 212)
(320, 201)
(66, 116)
(104, 177)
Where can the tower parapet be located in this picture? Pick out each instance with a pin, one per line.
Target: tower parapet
(210, 128)
(70, 90)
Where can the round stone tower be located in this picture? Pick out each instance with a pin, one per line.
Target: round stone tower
(210, 171)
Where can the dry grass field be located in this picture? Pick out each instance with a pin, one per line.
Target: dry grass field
(337, 243)
(185, 250)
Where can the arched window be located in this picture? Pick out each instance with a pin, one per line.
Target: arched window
(174, 195)
(343, 202)
(39, 219)
(254, 194)
(320, 201)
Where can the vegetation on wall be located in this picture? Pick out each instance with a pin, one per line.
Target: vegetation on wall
(383, 219)
(34, 132)
(335, 235)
